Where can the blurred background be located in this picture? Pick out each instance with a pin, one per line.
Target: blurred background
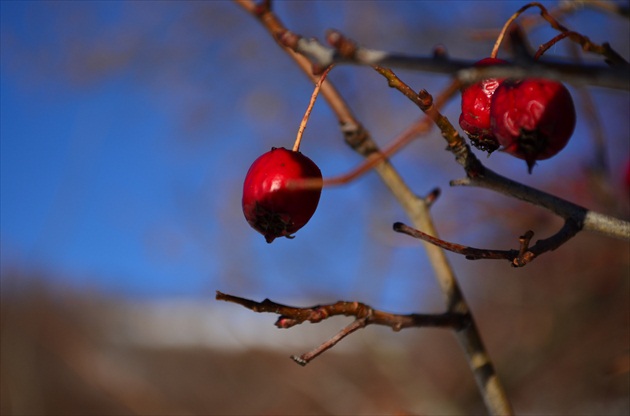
(126, 132)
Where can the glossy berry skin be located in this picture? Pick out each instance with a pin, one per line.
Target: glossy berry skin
(533, 119)
(270, 206)
(475, 116)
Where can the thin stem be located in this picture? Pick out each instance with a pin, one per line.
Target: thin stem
(518, 258)
(497, 43)
(307, 114)
(325, 346)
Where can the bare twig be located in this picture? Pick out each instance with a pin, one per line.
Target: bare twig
(365, 315)
(587, 220)
(309, 356)
(420, 127)
(307, 114)
(518, 258)
(464, 71)
(479, 175)
(292, 315)
(612, 57)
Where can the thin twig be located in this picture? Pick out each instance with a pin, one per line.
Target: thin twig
(325, 346)
(587, 219)
(518, 258)
(465, 71)
(364, 314)
(307, 114)
(422, 126)
(292, 315)
(479, 175)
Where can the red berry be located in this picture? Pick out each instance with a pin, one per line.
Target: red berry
(533, 119)
(475, 117)
(269, 205)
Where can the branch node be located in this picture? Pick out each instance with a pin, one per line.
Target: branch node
(261, 8)
(299, 360)
(432, 196)
(288, 39)
(344, 46)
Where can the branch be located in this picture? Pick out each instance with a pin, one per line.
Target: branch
(480, 176)
(417, 209)
(584, 218)
(346, 52)
(365, 315)
(518, 258)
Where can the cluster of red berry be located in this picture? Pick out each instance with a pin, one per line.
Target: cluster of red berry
(531, 119)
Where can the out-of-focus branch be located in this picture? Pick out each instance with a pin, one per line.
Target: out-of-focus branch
(620, 9)
(364, 314)
(586, 219)
(605, 50)
(464, 71)
(269, 20)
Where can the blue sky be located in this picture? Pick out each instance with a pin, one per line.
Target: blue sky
(128, 127)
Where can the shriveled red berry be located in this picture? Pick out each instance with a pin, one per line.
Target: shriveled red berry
(475, 116)
(533, 119)
(270, 206)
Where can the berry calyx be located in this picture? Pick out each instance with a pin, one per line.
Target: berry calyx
(533, 119)
(273, 207)
(475, 116)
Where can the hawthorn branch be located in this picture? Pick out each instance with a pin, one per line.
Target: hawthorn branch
(584, 218)
(605, 50)
(417, 209)
(347, 52)
(365, 315)
(480, 176)
(518, 258)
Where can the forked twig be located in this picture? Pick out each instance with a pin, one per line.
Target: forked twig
(518, 258)
(365, 315)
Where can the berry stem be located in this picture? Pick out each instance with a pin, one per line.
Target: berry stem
(318, 85)
(497, 44)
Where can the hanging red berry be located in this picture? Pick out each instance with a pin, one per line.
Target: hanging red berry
(272, 207)
(475, 116)
(532, 119)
